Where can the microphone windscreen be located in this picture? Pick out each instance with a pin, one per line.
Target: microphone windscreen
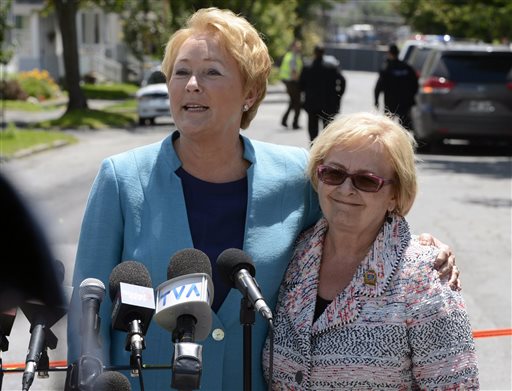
(189, 261)
(129, 272)
(92, 288)
(231, 261)
(112, 381)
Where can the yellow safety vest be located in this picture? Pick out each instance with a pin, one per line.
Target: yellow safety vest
(286, 68)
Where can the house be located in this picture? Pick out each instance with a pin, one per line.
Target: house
(35, 38)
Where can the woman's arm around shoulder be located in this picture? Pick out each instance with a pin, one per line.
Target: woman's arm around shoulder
(440, 335)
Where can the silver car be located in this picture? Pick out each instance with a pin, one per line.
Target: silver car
(465, 93)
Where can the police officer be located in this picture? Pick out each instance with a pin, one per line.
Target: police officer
(399, 83)
(289, 73)
(323, 86)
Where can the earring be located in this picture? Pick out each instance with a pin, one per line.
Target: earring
(389, 219)
(245, 107)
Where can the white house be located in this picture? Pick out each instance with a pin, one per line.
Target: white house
(36, 40)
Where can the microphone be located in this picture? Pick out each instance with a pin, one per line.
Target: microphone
(41, 318)
(90, 366)
(92, 292)
(186, 297)
(133, 301)
(183, 308)
(112, 381)
(237, 270)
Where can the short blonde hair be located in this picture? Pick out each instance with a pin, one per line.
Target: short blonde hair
(359, 130)
(239, 38)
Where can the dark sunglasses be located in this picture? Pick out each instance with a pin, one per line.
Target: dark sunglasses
(335, 176)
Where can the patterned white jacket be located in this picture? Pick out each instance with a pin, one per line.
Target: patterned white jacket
(408, 331)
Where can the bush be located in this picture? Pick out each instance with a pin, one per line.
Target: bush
(11, 90)
(38, 84)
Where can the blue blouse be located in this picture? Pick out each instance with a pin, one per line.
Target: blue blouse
(216, 216)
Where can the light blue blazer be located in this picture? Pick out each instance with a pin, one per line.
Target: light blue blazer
(136, 211)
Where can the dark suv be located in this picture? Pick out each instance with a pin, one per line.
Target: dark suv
(465, 93)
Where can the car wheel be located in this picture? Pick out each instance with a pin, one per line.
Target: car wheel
(142, 121)
(151, 121)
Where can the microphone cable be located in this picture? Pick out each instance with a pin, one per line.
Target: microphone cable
(139, 368)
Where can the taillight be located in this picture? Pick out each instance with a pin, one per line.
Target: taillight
(437, 85)
(509, 85)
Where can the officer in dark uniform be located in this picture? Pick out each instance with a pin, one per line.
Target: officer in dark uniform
(323, 86)
(399, 83)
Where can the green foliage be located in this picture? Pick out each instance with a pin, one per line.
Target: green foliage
(115, 91)
(486, 20)
(147, 25)
(30, 106)
(6, 51)
(38, 84)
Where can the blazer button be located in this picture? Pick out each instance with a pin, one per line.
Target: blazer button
(218, 334)
(299, 376)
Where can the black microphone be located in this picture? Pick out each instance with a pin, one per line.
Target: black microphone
(41, 318)
(183, 308)
(112, 381)
(92, 292)
(237, 270)
(90, 366)
(133, 301)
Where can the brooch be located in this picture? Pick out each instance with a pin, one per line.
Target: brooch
(370, 277)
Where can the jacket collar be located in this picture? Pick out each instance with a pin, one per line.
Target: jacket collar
(302, 280)
(175, 162)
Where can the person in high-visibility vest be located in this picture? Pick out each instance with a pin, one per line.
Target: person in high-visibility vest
(289, 72)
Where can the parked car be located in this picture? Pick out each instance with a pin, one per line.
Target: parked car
(153, 98)
(408, 46)
(465, 92)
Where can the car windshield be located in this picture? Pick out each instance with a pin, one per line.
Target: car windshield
(471, 67)
(156, 77)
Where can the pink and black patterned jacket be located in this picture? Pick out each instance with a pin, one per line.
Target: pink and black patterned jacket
(408, 331)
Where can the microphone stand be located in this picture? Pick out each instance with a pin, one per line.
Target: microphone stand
(4, 347)
(247, 318)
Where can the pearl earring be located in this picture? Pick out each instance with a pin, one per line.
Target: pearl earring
(245, 107)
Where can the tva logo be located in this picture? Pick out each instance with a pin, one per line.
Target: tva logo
(181, 292)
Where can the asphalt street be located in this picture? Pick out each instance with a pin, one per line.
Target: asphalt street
(464, 200)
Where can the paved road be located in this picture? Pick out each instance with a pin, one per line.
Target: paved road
(464, 199)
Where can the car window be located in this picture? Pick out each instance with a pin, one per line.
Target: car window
(418, 57)
(471, 67)
(156, 77)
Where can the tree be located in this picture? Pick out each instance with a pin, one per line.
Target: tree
(6, 51)
(485, 20)
(66, 14)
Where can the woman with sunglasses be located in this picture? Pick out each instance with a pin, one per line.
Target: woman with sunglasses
(357, 308)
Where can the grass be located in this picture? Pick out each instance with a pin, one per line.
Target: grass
(20, 105)
(13, 141)
(128, 105)
(117, 115)
(91, 119)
